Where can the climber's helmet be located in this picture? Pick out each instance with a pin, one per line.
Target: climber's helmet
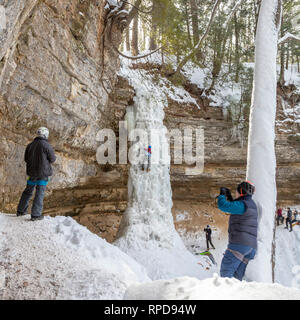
(246, 188)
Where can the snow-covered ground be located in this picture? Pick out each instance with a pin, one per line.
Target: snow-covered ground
(214, 288)
(287, 263)
(287, 274)
(196, 243)
(287, 255)
(59, 259)
(287, 251)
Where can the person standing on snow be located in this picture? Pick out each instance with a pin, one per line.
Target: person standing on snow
(242, 230)
(208, 233)
(39, 155)
(295, 215)
(279, 216)
(288, 220)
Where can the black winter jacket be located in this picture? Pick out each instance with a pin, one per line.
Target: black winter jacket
(207, 232)
(38, 157)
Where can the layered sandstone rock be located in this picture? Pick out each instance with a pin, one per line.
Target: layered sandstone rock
(56, 68)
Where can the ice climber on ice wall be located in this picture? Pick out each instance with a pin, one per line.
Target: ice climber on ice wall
(242, 230)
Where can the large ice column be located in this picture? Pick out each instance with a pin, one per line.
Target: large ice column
(148, 216)
(147, 232)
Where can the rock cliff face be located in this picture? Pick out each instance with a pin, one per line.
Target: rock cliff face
(57, 69)
(225, 155)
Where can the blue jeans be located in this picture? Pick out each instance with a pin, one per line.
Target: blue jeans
(235, 260)
(37, 206)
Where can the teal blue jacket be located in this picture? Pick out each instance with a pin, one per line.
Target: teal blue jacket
(234, 207)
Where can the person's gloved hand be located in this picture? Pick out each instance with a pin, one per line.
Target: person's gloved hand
(223, 191)
(228, 195)
(226, 192)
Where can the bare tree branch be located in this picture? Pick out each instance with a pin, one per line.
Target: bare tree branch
(134, 57)
(111, 22)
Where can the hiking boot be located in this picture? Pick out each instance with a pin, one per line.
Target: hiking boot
(37, 218)
(19, 214)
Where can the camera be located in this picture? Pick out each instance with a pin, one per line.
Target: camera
(227, 193)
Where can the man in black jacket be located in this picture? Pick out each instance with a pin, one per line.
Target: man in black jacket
(208, 231)
(289, 219)
(39, 156)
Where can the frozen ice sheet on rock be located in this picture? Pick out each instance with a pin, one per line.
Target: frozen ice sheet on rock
(147, 231)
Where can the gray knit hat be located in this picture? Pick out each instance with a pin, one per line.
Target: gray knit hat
(43, 132)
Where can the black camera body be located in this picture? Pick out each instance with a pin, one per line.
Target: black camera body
(226, 192)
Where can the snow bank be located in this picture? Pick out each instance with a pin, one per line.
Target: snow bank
(287, 255)
(215, 288)
(57, 258)
(167, 263)
(97, 250)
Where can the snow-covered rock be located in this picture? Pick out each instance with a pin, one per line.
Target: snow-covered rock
(57, 258)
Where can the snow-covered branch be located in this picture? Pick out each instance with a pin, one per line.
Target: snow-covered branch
(287, 37)
(237, 5)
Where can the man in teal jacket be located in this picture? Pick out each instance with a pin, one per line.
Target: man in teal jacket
(242, 229)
